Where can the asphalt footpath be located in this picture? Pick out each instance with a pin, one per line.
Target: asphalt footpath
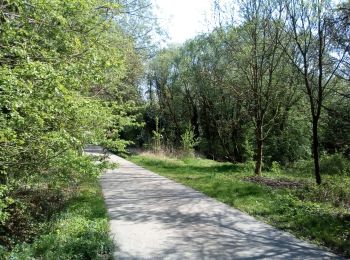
(152, 217)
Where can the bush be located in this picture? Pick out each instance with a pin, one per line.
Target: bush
(188, 142)
(5, 201)
(275, 168)
(249, 166)
(335, 164)
(27, 210)
(80, 231)
(75, 237)
(336, 193)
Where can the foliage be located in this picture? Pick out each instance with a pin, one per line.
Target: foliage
(336, 137)
(80, 231)
(275, 168)
(333, 165)
(5, 201)
(189, 141)
(192, 83)
(138, 19)
(157, 138)
(69, 76)
(258, 85)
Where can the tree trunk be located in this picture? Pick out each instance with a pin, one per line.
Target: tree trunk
(259, 156)
(315, 150)
(259, 150)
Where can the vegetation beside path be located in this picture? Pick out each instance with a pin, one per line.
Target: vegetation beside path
(80, 230)
(69, 77)
(291, 202)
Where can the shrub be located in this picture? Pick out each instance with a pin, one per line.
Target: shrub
(336, 193)
(275, 168)
(81, 231)
(157, 137)
(4, 203)
(188, 142)
(75, 238)
(335, 164)
(249, 166)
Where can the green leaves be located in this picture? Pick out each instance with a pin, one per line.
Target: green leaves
(67, 76)
(61, 68)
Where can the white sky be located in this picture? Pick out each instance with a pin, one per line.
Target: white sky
(183, 19)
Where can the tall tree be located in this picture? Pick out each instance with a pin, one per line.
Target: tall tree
(138, 20)
(264, 72)
(315, 58)
(61, 73)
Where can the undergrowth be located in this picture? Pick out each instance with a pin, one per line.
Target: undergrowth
(78, 230)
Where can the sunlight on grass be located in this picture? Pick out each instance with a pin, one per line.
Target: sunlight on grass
(304, 211)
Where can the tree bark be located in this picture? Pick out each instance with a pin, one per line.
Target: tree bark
(259, 155)
(259, 151)
(315, 150)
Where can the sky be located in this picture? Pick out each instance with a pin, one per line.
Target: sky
(183, 19)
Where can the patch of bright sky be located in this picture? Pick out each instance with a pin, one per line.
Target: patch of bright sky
(183, 19)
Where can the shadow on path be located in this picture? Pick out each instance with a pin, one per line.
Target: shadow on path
(155, 218)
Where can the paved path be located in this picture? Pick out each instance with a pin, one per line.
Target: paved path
(155, 218)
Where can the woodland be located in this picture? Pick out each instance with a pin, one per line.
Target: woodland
(267, 87)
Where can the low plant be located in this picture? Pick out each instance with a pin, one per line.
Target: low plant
(334, 164)
(275, 168)
(157, 138)
(189, 141)
(79, 231)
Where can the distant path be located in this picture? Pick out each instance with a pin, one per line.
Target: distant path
(153, 217)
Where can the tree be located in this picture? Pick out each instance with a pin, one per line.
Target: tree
(315, 57)
(263, 73)
(221, 114)
(138, 21)
(63, 69)
(68, 78)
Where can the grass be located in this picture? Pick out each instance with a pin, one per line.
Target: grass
(79, 231)
(318, 214)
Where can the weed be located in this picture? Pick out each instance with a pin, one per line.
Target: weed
(79, 231)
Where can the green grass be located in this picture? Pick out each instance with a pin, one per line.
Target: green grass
(79, 231)
(318, 214)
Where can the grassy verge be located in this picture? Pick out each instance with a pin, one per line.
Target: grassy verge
(79, 231)
(318, 214)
